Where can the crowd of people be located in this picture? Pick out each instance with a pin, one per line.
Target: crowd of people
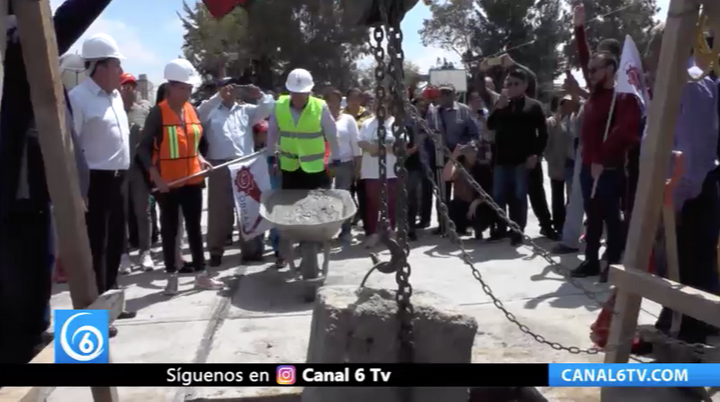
(133, 155)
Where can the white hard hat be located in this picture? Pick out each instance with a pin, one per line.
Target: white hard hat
(101, 46)
(299, 81)
(72, 62)
(181, 70)
(72, 70)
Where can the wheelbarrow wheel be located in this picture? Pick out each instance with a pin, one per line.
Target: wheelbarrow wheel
(309, 268)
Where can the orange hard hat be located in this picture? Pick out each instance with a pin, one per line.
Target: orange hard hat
(127, 78)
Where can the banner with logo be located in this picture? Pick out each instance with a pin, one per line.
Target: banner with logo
(631, 77)
(250, 178)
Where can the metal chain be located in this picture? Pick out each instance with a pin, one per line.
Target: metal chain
(402, 275)
(698, 349)
(381, 114)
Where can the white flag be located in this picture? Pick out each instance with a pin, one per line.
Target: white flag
(250, 178)
(631, 77)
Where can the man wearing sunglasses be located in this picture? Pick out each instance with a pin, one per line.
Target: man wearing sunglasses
(604, 154)
(520, 137)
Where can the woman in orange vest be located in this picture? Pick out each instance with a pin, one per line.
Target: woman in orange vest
(171, 150)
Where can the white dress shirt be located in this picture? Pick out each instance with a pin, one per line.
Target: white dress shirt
(348, 133)
(102, 126)
(229, 131)
(370, 164)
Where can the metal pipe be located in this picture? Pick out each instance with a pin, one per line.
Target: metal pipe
(205, 172)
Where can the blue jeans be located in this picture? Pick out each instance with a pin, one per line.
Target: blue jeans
(275, 183)
(510, 187)
(603, 210)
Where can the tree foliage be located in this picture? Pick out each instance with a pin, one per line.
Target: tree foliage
(274, 37)
(366, 75)
(634, 18)
(529, 30)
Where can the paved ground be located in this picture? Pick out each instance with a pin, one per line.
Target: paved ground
(262, 318)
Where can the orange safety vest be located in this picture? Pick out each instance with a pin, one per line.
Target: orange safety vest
(176, 157)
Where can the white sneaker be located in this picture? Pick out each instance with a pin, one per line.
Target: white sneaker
(372, 240)
(205, 282)
(125, 264)
(146, 261)
(171, 289)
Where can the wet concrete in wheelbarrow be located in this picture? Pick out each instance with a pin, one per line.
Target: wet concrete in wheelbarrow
(317, 207)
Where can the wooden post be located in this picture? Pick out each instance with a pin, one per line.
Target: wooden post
(37, 36)
(671, 76)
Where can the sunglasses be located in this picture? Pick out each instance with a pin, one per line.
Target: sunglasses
(510, 84)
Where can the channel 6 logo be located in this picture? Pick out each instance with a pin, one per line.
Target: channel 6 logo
(81, 336)
(285, 375)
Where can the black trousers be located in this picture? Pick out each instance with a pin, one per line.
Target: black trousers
(559, 200)
(300, 180)
(106, 225)
(426, 200)
(484, 216)
(698, 230)
(189, 199)
(362, 203)
(414, 187)
(26, 260)
(538, 200)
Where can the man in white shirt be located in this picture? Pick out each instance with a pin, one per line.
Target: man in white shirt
(228, 128)
(101, 124)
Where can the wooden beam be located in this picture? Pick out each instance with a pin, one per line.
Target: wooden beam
(3, 43)
(655, 158)
(37, 36)
(685, 299)
(113, 301)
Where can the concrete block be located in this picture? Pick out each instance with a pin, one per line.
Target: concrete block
(350, 325)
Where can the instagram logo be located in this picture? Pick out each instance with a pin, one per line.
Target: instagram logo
(285, 375)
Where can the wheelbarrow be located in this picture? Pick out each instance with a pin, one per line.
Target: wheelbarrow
(312, 238)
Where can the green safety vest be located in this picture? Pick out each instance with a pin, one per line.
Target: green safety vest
(302, 144)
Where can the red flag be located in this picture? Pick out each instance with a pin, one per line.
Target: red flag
(221, 8)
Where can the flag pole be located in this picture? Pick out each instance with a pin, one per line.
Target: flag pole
(205, 172)
(607, 130)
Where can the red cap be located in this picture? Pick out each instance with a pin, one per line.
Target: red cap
(430, 93)
(261, 127)
(127, 78)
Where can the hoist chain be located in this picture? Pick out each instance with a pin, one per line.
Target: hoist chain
(698, 349)
(400, 245)
(401, 134)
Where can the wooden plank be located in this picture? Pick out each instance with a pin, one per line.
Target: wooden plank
(37, 36)
(685, 299)
(3, 43)
(113, 301)
(671, 75)
(673, 263)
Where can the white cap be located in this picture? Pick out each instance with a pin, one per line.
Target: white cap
(101, 46)
(72, 62)
(299, 81)
(181, 70)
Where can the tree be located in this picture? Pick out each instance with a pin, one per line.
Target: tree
(528, 30)
(273, 37)
(620, 18)
(451, 27)
(206, 38)
(366, 75)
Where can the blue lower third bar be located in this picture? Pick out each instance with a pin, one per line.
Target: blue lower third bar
(634, 375)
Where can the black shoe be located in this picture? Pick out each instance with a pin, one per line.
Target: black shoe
(438, 232)
(497, 235)
(478, 235)
(252, 258)
(187, 268)
(563, 249)
(215, 260)
(516, 239)
(604, 275)
(587, 268)
(423, 225)
(126, 315)
(550, 233)
(112, 331)
(412, 236)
